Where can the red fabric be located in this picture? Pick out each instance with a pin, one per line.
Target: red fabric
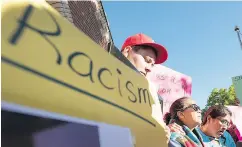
(238, 134)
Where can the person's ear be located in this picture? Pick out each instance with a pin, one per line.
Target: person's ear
(209, 119)
(126, 51)
(180, 115)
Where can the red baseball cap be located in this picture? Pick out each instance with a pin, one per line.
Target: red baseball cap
(142, 39)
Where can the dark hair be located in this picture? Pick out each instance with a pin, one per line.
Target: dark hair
(176, 106)
(138, 47)
(167, 118)
(216, 111)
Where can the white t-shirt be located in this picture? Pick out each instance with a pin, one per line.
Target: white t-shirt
(156, 107)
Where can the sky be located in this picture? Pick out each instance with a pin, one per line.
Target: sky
(199, 37)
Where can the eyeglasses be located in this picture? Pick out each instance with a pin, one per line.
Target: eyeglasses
(193, 106)
(224, 121)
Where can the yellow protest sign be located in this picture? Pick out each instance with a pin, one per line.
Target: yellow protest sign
(50, 65)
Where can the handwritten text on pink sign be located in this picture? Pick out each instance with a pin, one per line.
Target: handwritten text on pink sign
(171, 85)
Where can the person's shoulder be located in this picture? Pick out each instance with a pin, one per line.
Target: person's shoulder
(177, 136)
(203, 136)
(198, 129)
(229, 141)
(226, 133)
(176, 139)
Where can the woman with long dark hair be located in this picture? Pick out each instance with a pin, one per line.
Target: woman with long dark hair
(185, 113)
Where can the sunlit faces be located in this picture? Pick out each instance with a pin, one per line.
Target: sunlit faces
(218, 125)
(142, 57)
(190, 115)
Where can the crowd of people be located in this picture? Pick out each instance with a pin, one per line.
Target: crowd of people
(184, 124)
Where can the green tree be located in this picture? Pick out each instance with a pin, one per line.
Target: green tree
(222, 96)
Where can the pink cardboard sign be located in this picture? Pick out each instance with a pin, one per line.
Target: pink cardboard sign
(171, 85)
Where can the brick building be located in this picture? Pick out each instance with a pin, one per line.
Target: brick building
(89, 17)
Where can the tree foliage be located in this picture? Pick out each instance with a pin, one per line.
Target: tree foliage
(221, 96)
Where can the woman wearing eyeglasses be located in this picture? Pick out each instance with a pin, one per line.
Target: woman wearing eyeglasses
(187, 115)
(213, 129)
